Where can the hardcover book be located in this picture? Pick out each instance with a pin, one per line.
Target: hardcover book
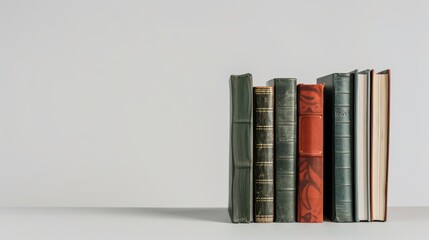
(310, 153)
(339, 135)
(241, 151)
(380, 124)
(263, 99)
(362, 97)
(285, 115)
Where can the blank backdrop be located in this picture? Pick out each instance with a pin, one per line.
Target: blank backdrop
(126, 103)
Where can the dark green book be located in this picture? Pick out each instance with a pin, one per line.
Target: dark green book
(263, 153)
(241, 149)
(338, 148)
(284, 148)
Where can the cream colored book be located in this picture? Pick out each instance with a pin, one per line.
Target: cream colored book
(380, 121)
(362, 84)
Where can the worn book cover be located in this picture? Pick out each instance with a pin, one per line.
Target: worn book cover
(285, 130)
(240, 205)
(339, 136)
(310, 153)
(263, 119)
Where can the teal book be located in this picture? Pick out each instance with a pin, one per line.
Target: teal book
(362, 140)
(338, 148)
(240, 204)
(285, 130)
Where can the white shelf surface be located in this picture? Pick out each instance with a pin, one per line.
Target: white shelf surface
(193, 223)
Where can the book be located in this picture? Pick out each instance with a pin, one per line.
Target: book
(338, 128)
(362, 97)
(380, 128)
(310, 153)
(263, 153)
(285, 115)
(240, 204)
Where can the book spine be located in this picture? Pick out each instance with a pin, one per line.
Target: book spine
(361, 145)
(310, 153)
(285, 149)
(387, 139)
(380, 138)
(359, 153)
(241, 150)
(369, 80)
(357, 147)
(263, 98)
(343, 147)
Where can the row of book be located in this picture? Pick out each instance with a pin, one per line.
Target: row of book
(309, 152)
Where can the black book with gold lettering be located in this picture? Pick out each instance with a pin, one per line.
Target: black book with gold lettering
(263, 153)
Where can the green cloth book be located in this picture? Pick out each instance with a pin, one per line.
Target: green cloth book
(240, 204)
(285, 129)
(338, 148)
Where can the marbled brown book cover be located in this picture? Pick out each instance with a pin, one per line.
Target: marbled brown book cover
(310, 153)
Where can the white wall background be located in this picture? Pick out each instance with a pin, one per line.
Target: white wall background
(126, 103)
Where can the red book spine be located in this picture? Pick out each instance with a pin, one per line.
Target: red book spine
(310, 153)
